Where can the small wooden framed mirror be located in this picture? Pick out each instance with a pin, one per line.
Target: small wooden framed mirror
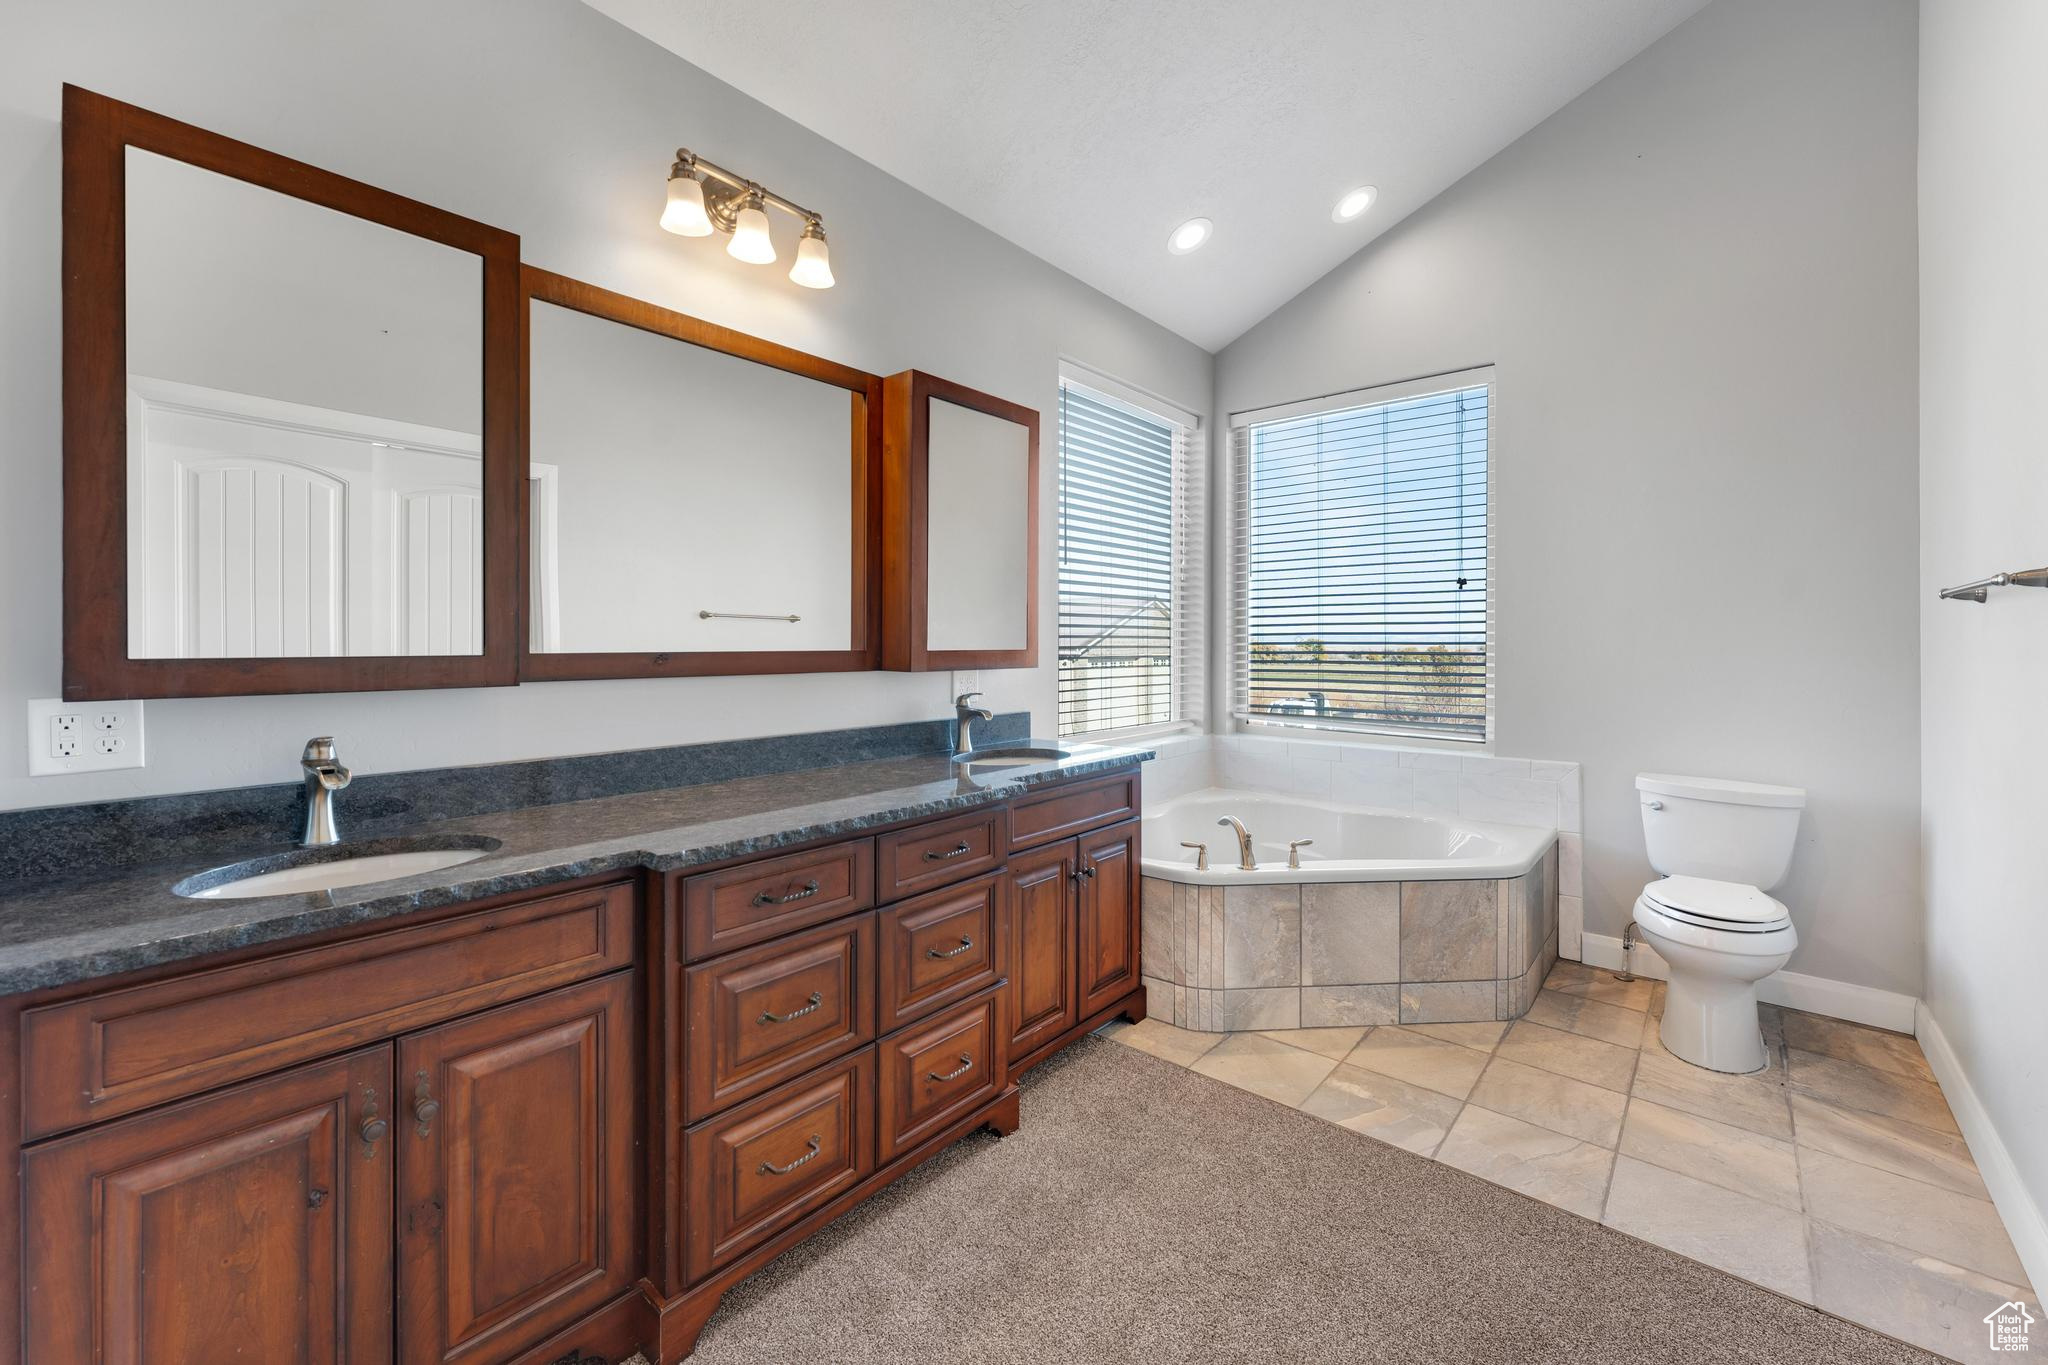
(960, 528)
(700, 499)
(290, 424)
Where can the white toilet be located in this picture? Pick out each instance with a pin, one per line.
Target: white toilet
(1720, 846)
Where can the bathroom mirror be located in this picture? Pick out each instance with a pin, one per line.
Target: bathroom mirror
(961, 518)
(290, 460)
(698, 499)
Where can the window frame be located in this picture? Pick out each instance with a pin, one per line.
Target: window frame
(1188, 697)
(1236, 589)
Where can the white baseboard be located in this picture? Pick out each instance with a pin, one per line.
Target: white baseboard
(1794, 990)
(2024, 1221)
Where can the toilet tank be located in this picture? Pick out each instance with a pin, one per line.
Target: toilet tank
(1712, 827)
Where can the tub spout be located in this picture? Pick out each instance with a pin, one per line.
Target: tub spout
(1245, 861)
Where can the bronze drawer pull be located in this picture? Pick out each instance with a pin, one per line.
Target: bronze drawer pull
(373, 1127)
(932, 855)
(770, 1168)
(424, 1106)
(810, 1007)
(965, 944)
(966, 1065)
(810, 889)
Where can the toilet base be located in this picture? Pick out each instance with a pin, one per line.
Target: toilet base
(1713, 1023)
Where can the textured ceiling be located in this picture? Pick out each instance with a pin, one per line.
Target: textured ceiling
(1085, 131)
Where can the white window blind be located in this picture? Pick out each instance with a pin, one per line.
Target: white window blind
(1131, 567)
(1361, 598)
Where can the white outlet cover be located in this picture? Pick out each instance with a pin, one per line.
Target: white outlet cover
(965, 680)
(106, 735)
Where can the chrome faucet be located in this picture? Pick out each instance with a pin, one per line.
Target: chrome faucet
(964, 717)
(1245, 861)
(324, 777)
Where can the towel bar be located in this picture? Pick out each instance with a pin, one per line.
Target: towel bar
(1979, 590)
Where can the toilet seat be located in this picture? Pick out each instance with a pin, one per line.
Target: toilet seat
(1723, 907)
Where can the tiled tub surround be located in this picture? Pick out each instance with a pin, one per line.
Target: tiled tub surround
(1441, 782)
(1836, 1175)
(1348, 954)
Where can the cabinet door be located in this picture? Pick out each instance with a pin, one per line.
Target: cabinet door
(1042, 999)
(1106, 944)
(252, 1225)
(516, 1192)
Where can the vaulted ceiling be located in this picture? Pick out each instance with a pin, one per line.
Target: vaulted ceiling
(1086, 131)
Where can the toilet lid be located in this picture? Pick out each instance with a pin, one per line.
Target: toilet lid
(1716, 905)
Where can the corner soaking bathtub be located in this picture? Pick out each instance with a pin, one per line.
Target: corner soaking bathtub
(1352, 843)
(1391, 917)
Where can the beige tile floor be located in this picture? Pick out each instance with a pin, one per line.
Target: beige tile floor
(1836, 1175)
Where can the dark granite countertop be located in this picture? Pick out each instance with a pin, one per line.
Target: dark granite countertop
(55, 932)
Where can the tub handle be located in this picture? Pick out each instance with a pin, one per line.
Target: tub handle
(1294, 848)
(1201, 855)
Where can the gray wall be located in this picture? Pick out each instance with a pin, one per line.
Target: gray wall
(1697, 283)
(1983, 509)
(544, 118)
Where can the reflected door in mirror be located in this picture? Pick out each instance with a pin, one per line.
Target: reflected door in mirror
(305, 403)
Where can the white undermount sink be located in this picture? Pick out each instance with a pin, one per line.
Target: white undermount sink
(323, 870)
(1009, 756)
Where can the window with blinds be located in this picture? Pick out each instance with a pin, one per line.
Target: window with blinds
(1130, 568)
(1361, 554)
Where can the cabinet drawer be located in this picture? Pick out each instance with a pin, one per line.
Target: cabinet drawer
(941, 947)
(755, 1018)
(754, 902)
(935, 1072)
(1069, 810)
(763, 1166)
(939, 854)
(92, 1058)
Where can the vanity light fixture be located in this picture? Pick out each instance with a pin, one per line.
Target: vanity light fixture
(703, 198)
(1354, 203)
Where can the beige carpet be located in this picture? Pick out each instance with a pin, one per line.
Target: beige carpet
(1148, 1214)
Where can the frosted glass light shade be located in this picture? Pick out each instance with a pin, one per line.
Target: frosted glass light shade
(813, 268)
(750, 240)
(685, 215)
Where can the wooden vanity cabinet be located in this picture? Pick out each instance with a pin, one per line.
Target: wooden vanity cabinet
(1043, 1004)
(554, 1125)
(255, 1224)
(461, 1192)
(1075, 904)
(516, 1136)
(1106, 917)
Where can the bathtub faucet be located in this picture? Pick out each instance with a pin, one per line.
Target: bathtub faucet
(1245, 861)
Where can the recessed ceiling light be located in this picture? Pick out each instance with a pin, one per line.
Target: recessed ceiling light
(1354, 203)
(1189, 236)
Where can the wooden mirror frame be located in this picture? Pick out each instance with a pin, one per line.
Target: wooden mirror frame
(537, 285)
(906, 537)
(97, 134)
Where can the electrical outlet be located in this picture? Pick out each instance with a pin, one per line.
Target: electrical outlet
(965, 680)
(83, 737)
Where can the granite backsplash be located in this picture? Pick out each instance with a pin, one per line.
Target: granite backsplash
(51, 841)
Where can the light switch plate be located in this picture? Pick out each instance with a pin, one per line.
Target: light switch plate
(83, 736)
